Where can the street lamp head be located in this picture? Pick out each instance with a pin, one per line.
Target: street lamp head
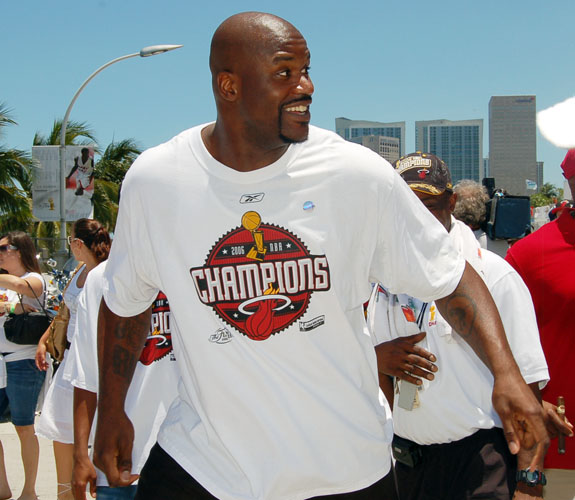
(154, 50)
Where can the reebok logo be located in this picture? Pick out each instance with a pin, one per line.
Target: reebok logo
(252, 198)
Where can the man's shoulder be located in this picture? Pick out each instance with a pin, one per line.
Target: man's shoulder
(171, 146)
(318, 135)
(330, 145)
(495, 266)
(155, 163)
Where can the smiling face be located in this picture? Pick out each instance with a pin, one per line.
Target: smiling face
(260, 65)
(277, 91)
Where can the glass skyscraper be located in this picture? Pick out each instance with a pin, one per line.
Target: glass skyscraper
(458, 143)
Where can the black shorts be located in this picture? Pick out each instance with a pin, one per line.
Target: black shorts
(163, 478)
(478, 466)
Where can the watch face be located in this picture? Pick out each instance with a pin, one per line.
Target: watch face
(532, 477)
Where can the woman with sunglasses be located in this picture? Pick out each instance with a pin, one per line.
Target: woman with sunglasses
(20, 277)
(90, 244)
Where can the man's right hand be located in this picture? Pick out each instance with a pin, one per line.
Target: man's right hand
(403, 358)
(113, 448)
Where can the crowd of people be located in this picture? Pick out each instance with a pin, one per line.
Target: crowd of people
(222, 343)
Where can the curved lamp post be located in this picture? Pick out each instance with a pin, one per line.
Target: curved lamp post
(153, 50)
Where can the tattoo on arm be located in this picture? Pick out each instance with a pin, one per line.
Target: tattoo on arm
(132, 329)
(461, 314)
(130, 334)
(123, 362)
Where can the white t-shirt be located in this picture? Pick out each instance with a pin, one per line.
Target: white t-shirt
(71, 300)
(457, 402)
(267, 272)
(155, 381)
(23, 351)
(481, 237)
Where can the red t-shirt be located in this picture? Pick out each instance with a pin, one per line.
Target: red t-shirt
(546, 262)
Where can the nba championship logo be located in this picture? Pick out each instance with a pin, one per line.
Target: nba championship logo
(259, 278)
(159, 341)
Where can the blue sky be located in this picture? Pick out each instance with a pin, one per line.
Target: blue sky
(386, 60)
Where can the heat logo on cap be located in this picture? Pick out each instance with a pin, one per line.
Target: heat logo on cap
(410, 162)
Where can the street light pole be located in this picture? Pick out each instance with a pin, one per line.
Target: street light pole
(145, 52)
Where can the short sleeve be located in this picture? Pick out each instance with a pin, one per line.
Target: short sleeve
(515, 307)
(414, 254)
(130, 281)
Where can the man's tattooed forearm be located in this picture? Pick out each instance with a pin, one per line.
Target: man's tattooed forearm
(123, 362)
(132, 329)
(461, 313)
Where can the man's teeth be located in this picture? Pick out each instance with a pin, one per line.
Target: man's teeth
(297, 109)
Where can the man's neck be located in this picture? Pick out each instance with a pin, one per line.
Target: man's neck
(237, 153)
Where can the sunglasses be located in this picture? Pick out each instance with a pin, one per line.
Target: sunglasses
(70, 240)
(5, 248)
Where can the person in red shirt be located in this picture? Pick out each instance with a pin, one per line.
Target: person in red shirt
(546, 261)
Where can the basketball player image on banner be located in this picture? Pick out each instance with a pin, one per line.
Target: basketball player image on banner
(84, 169)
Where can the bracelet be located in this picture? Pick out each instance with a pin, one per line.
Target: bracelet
(12, 308)
(531, 478)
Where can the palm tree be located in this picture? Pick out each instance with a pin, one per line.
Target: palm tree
(109, 173)
(78, 133)
(15, 182)
(547, 195)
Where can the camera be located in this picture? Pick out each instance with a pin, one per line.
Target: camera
(508, 217)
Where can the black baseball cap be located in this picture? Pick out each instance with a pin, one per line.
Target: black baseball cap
(425, 172)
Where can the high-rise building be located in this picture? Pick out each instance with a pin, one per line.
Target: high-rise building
(486, 167)
(512, 142)
(386, 147)
(539, 175)
(457, 143)
(350, 129)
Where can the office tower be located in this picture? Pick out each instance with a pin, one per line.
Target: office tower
(457, 143)
(512, 142)
(539, 175)
(350, 129)
(387, 147)
(486, 167)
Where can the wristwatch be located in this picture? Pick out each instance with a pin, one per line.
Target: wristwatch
(531, 478)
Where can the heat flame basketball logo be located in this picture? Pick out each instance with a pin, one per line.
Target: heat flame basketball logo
(259, 278)
(159, 341)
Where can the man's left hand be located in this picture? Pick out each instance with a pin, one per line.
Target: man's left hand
(522, 418)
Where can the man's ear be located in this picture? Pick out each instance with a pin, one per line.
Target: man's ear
(452, 202)
(228, 86)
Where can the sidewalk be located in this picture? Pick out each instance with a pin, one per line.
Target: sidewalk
(46, 482)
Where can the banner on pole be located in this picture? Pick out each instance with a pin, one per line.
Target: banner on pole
(79, 182)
